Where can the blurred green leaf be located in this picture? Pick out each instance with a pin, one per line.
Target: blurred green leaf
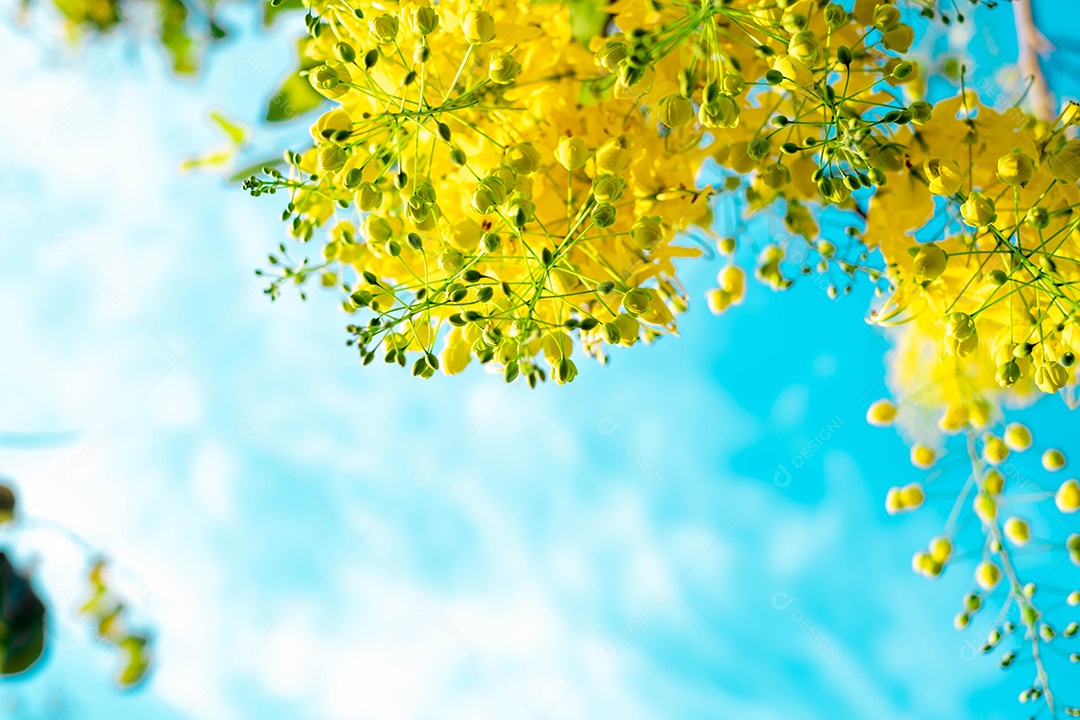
(271, 11)
(295, 97)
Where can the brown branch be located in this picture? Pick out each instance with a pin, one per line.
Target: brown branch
(1033, 45)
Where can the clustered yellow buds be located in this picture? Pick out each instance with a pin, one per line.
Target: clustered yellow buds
(904, 499)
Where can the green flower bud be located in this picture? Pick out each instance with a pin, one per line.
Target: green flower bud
(564, 371)
(637, 301)
(383, 29)
(775, 176)
(491, 241)
(611, 54)
(722, 112)
(835, 16)
(423, 20)
(805, 47)
(523, 158)
(1038, 218)
(572, 153)
(943, 176)
(733, 84)
(758, 148)
(978, 210)
(676, 110)
(610, 332)
(647, 232)
(930, 261)
(921, 111)
(489, 194)
(331, 158)
(1015, 169)
(614, 155)
(417, 210)
(959, 325)
(479, 27)
(1051, 377)
(377, 230)
(603, 215)
(1008, 374)
(344, 52)
(368, 197)
(902, 70)
(608, 187)
(886, 18)
(503, 69)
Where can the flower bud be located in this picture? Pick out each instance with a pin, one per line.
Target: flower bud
(921, 111)
(881, 413)
(377, 230)
(1017, 437)
(718, 300)
(603, 215)
(1008, 374)
(985, 508)
(608, 187)
(572, 153)
(564, 371)
(978, 210)
(995, 451)
(1067, 497)
(647, 232)
(721, 112)
(941, 549)
(1015, 169)
(637, 301)
(1051, 377)
(835, 16)
(1017, 531)
(523, 158)
(422, 19)
(805, 47)
(331, 158)
(614, 155)
(922, 456)
(479, 27)
(959, 325)
(383, 29)
(943, 176)
(676, 110)
(368, 197)
(930, 261)
(912, 496)
(503, 69)
(886, 18)
(1038, 218)
(489, 194)
(987, 575)
(993, 482)
(1053, 460)
(611, 54)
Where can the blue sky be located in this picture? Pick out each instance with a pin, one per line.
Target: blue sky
(695, 531)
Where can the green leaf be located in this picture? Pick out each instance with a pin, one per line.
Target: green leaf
(271, 11)
(232, 130)
(295, 97)
(587, 20)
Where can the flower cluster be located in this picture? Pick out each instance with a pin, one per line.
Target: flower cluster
(489, 179)
(514, 182)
